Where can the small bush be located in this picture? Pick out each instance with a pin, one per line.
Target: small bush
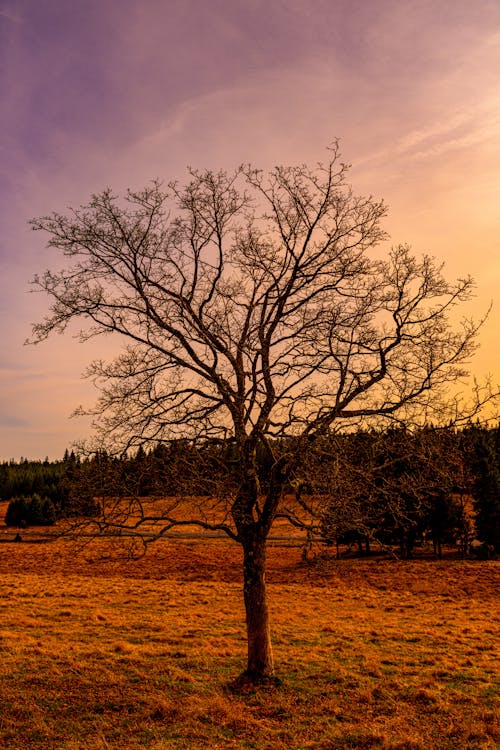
(17, 512)
(35, 511)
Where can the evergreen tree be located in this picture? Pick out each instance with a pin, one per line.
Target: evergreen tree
(485, 464)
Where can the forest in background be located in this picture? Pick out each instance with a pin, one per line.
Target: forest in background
(393, 488)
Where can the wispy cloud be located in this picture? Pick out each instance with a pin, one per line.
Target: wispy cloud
(12, 421)
(11, 15)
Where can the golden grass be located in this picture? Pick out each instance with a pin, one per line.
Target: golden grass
(99, 654)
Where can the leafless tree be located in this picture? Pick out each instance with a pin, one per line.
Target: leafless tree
(253, 309)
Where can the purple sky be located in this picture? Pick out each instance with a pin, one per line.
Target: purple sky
(116, 92)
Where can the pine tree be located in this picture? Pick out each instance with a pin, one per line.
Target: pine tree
(486, 485)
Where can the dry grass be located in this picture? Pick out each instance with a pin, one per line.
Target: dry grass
(102, 654)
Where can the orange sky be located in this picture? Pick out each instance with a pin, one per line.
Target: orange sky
(116, 93)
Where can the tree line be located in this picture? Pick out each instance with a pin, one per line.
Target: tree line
(392, 488)
(401, 488)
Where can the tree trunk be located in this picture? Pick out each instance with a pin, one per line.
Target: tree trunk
(260, 656)
(253, 523)
(360, 545)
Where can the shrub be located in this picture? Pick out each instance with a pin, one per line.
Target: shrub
(22, 512)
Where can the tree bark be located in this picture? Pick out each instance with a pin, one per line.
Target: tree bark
(260, 656)
(253, 523)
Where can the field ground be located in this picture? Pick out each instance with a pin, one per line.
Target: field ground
(99, 654)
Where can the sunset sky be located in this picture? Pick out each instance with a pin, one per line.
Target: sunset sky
(98, 93)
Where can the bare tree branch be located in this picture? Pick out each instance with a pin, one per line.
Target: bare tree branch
(254, 309)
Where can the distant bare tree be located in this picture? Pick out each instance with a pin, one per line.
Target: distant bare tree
(255, 310)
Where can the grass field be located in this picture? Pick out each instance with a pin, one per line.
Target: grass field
(99, 654)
